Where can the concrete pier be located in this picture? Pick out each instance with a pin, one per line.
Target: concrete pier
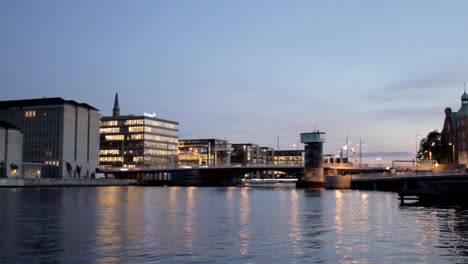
(313, 163)
(339, 182)
(52, 182)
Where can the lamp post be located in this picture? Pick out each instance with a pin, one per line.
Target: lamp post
(453, 152)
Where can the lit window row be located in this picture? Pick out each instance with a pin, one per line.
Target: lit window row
(160, 145)
(114, 137)
(109, 123)
(136, 136)
(31, 113)
(110, 159)
(132, 122)
(161, 124)
(52, 162)
(136, 129)
(109, 152)
(162, 138)
(159, 152)
(109, 130)
(137, 158)
(162, 131)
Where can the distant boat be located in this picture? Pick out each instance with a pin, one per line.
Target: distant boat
(268, 182)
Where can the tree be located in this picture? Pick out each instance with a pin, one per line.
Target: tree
(435, 147)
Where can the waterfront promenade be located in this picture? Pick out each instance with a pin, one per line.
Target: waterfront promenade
(50, 182)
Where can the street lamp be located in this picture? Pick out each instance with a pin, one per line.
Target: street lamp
(453, 152)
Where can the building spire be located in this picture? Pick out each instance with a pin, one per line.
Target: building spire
(116, 110)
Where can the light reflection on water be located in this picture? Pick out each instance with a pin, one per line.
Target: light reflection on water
(232, 224)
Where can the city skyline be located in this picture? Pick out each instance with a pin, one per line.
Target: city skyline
(247, 72)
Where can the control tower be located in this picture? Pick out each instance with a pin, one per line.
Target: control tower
(313, 160)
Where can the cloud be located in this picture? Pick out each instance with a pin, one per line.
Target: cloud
(412, 114)
(417, 87)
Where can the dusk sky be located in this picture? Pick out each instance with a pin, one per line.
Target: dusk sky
(247, 71)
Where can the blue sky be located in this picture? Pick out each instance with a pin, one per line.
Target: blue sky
(247, 71)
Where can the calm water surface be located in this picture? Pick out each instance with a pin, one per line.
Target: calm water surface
(231, 225)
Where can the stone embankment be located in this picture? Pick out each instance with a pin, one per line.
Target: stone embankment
(17, 182)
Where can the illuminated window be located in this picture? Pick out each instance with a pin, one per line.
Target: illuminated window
(109, 152)
(136, 136)
(136, 129)
(109, 123)
(109, 130)
(31, 113)
(131, 122)
(114, 137)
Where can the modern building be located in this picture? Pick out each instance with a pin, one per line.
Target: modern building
(289, 157)
(266, 155)
(11, 150)
(60, 137)
(244, 154)
(137, 141)
(200, 152)
(455, 131)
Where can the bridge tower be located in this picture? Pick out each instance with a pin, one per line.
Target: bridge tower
(313, 160)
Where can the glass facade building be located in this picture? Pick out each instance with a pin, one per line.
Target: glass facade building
(60, 137)
(138, 141)
(289, 157)
(200, 152)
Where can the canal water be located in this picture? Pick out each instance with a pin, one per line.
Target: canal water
(224, 225)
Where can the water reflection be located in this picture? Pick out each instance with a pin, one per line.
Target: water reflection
(244, 231)
(235, 225)
(189, 217)
(295, 225)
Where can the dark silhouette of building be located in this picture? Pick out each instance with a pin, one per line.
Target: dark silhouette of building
(455, 130)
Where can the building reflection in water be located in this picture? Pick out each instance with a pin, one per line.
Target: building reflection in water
(190, 217)
(108, 233)
(339, 211)
(244, 231)
(296, 230)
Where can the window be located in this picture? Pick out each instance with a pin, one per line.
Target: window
(134, 122)
(109, 130)
(109, 123)
(31, 113)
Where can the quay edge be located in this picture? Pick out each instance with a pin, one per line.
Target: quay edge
(52, 182)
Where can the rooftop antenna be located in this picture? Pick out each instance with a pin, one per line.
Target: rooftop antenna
(464, 87)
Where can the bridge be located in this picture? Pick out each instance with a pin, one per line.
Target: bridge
(225, 175)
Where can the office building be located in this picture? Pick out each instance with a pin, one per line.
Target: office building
(11, 150)
(60, 137)
(201, 152)
(267, 155)
(289, 157)
(133, 141)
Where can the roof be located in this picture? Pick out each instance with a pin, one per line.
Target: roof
(464, 96)
(126, 117)
(4, 124)
(43, 102)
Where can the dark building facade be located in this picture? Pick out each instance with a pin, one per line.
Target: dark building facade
(244, 154)
(200, 152)
(455, 130)
(60, 137)
(266, 155)
(137, 141)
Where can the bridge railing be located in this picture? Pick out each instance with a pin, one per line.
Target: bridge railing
(406, 174)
